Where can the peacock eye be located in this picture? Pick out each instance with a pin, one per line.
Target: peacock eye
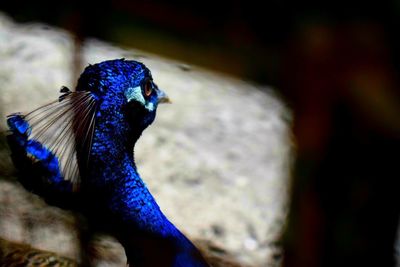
(148, 88)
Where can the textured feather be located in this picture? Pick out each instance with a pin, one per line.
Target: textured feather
(21, 255)
(44, 147)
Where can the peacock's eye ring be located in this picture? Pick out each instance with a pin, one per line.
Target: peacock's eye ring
(147, 88)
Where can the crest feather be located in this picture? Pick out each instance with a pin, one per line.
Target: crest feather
(65, 128)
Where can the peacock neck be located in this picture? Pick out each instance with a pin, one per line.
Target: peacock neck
(148, 237)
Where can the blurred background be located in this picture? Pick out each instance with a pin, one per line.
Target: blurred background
(336, 66)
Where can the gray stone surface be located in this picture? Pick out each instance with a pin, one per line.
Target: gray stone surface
(217, 159)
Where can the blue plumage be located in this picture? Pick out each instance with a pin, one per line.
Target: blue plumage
(36, 163)
(82, 158)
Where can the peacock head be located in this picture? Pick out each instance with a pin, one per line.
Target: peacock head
(124, 90)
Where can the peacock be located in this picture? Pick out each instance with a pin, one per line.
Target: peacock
(77, 153)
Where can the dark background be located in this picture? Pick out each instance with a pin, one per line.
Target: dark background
(336, 64)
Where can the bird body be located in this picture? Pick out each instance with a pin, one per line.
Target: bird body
(77, 153)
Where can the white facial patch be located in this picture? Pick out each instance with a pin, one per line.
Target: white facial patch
(149, 106)
(135, 94)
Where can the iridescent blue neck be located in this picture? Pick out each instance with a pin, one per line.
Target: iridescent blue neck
(148, 237)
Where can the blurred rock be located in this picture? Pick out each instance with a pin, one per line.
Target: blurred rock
(25, 218)
(217, 159)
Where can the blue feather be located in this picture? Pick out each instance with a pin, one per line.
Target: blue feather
(114, 102)
(36, 163)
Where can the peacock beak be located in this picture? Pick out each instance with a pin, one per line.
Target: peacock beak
(162, 97)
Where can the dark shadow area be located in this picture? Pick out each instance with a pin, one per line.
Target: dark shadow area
(249, 39)
(7, 170)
